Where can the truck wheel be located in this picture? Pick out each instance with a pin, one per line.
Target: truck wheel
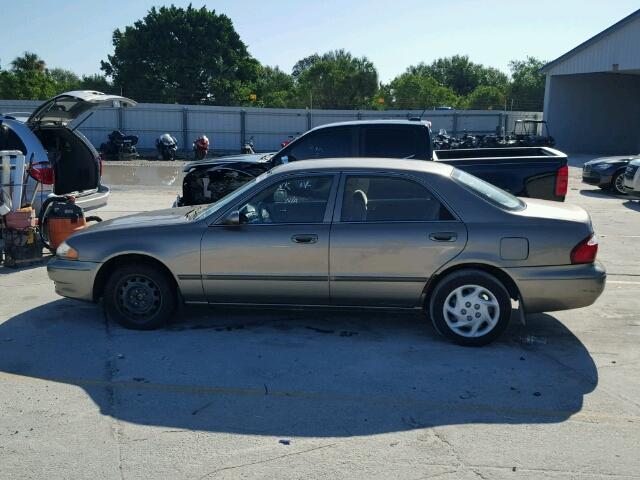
(617, 183)
(470, 307)
(140, 297)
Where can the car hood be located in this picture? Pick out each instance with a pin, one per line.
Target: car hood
(617, 159)
(240, 158)
(158, 218)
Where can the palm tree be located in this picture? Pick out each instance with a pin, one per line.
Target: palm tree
(29, 62)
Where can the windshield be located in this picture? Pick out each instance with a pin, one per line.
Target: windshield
(204, 211)
(488, 192)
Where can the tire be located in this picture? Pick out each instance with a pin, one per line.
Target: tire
(484, 297)
(140, 297)
(617, 183)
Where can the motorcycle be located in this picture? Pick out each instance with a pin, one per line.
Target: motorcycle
(248, 146)
(200, 147)
(119, 145)
(286, 142)
(468, 141)
(167, 147)
(442, 141)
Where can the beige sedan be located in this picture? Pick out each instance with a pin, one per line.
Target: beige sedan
(344, 233)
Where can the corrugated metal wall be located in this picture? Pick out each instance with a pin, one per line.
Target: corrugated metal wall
(621, 47)
(229, 127)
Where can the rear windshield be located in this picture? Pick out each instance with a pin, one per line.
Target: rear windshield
(490, 193)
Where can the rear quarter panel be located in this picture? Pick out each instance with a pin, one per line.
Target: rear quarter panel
(552, 229)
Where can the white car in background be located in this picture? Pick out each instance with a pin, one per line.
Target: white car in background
(632, 178)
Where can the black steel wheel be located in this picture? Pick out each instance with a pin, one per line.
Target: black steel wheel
(140, 296)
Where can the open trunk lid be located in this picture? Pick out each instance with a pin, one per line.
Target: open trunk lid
(68, 106)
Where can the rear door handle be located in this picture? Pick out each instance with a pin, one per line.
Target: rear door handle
(305, 238)
(443, 236)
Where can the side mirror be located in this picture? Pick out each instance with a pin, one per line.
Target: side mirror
(232, 218)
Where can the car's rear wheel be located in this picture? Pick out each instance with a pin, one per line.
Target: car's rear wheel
(617, 183)
(140, 296)
(470, 307)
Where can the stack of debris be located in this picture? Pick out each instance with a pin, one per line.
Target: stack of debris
(21, 244)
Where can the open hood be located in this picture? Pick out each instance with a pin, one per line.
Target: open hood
(68, 106)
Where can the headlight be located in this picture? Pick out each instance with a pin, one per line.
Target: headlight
(66, 252)
(601, 166)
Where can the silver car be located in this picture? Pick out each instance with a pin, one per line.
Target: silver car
(344, 233)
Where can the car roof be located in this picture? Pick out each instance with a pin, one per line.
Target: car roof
(352, 163)
(415, 123)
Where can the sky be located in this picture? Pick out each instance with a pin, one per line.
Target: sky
(76, 34)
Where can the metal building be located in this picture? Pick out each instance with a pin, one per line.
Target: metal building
(592, 95)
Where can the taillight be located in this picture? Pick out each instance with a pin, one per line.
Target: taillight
(43, 173)
(586, 250)
(562, 181)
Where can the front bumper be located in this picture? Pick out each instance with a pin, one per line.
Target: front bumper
(563, 287)
(73, 278)
(596, 178)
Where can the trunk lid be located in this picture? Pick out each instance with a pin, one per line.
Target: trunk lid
(66, 107)
(548, 209)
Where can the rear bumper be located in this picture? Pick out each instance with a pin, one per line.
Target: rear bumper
(564, 287)
(94, 200)
(73, 278)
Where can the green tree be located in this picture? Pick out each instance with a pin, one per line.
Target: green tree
(26, 85)
(485, 97)
(65, 80)
(417, 91)
(274, 88)
(181, 55)
(98, 83)
(336, 80)
(29, 62)
(461, 74)
(527, 85)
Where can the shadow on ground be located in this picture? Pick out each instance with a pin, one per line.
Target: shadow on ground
(633, 204)
(296, 373)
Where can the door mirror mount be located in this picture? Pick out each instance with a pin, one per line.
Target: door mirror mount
(232, 218)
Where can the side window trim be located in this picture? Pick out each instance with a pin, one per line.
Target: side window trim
(337, 211)
(328, 212)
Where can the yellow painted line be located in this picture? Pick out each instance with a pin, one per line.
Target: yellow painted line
(623, 282)
(327, 396)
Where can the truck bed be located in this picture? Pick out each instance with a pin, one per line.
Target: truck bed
(522, 171)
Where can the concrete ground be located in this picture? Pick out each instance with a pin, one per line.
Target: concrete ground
(272, 394)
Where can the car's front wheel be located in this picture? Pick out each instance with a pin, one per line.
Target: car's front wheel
(470, 307)
(617, 183)
(140, 296)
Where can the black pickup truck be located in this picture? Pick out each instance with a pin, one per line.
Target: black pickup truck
(537, 172)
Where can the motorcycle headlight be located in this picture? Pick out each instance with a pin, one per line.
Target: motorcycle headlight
(67, 252)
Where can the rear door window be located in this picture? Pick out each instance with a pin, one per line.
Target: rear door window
(390, 141)
(379, 198)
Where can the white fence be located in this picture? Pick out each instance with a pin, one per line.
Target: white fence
(229, 127)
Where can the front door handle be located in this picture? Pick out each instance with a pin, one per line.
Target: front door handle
(443, 236)
(305, 238)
